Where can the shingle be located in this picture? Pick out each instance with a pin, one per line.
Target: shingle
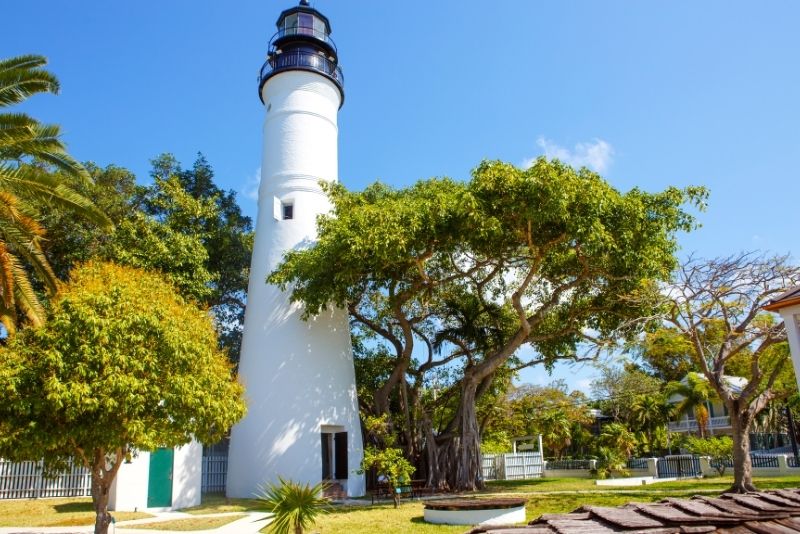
(627, 518)
(673, 515)
(753, 501)
(775, 512)
(769, 527)
(698, 507)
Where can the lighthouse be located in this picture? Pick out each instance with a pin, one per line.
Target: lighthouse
(302, 421)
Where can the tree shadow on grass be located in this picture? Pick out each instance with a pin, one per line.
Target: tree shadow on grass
(73, 507)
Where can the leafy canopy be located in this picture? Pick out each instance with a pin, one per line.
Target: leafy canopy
(123, 364)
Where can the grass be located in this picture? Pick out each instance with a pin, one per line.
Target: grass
(544, 496)
(217, 504)
(193, 523)
(67, 512)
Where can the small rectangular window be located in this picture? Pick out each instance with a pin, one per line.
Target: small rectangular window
(288, 212)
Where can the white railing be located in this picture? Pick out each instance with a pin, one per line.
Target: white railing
(24, 480)
(687, 425)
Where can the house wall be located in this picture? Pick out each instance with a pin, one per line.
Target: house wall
(129, 490)
(791, 318)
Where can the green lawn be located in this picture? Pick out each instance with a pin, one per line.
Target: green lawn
(544, 496)
(54, 513)
(192, 523)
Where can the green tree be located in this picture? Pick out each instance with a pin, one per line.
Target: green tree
(649, 413)
(226, 234)
(666, 355)
(718, 307)
(29, 152)
(181, 225)
(695, 394)
(719, 449)
(547, 253)
(386, 459)
(618, 438)
(617, 388)
(295, 506)
(123, 364)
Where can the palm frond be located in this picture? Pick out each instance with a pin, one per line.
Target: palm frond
(22, 77)
(41, 142)
(33, 184)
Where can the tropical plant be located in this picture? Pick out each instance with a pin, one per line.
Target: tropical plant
(649, 412)
(29, 151)
(616, 437)
(718, 449)
(695, 395)
(295, 506)
(122, 364)
(388, 461)
(610, 462)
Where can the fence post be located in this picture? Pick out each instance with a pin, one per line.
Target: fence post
(705, 467)
(593, 465)
(783, 465)
(544, 468)
(652, 467)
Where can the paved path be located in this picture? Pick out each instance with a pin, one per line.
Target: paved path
(250, 524)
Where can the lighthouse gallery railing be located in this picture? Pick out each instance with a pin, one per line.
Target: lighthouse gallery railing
(302, 59)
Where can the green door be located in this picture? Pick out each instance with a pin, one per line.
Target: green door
(159, 485)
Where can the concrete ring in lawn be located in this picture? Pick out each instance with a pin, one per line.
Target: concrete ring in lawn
(475, 511)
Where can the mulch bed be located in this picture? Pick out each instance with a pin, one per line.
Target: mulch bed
(475, 504)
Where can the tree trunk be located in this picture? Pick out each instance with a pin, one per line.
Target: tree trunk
(742, 467)
(100, 504)
(395, 497)
(102, 477)
(298, 529)
(463, 450)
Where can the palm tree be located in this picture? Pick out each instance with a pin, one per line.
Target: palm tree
(616, 437)
(29, 150)
(696, 393)
(647, 412)
(295, 506)
(556, 430)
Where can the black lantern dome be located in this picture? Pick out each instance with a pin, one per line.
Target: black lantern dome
(302, 42)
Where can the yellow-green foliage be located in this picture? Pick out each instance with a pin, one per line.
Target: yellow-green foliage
(123, 364)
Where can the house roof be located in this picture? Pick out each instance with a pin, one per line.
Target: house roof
(766, 512)
(790, 297)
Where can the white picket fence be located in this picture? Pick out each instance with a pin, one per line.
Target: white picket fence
(519, 466)
(214, 474)
(24, 480)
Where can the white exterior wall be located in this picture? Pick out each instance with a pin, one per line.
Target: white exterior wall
(298, 375)
(129, 490)
(187, 476)
(791, 318)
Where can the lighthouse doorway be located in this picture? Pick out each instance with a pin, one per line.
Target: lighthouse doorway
(334, 454)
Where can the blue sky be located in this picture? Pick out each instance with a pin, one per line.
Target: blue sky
(649, 94)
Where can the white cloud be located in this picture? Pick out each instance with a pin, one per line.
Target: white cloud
(250, 188)
(596, 154)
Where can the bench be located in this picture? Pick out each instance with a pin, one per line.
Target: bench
(413, 490)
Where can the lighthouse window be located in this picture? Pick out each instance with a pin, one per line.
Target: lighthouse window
(290, 24)
(306, 23)
(288, 212)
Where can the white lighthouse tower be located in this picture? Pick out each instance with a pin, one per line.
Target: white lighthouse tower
(302, 421)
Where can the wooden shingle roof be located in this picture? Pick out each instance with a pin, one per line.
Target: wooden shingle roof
(790, 297)
(766, 512)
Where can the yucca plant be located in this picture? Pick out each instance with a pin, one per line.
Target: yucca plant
(35, 175)
(295, 506)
